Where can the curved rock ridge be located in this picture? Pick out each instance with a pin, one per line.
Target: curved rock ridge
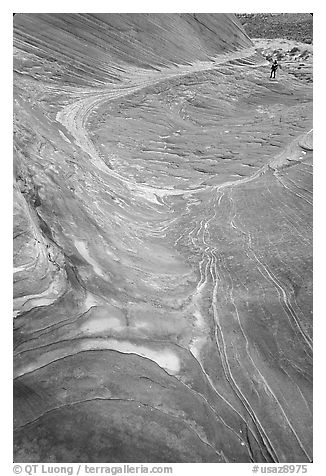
(162, 243)
(95, 49)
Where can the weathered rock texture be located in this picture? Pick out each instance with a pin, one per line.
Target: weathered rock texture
(162, 243)
(293, 26)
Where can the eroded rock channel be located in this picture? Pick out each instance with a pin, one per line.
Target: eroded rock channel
(162, 243)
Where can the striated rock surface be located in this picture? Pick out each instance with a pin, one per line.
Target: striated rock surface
(162, 243)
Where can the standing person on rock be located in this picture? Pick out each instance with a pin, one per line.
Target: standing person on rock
(273, 69)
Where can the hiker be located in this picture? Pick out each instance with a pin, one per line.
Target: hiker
(274, 68)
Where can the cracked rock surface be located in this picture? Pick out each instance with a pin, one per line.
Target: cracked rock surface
(162, 243)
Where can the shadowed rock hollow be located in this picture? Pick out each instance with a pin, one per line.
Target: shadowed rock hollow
(162, 243)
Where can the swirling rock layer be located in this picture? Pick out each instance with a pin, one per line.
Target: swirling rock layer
(162, 243)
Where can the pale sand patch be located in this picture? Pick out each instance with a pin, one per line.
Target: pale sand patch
(82, 248)
(165, 358)
(94, 326)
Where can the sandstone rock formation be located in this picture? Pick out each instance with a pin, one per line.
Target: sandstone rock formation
(162, 243)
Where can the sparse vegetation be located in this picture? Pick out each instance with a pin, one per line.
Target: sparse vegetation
(293, 26)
